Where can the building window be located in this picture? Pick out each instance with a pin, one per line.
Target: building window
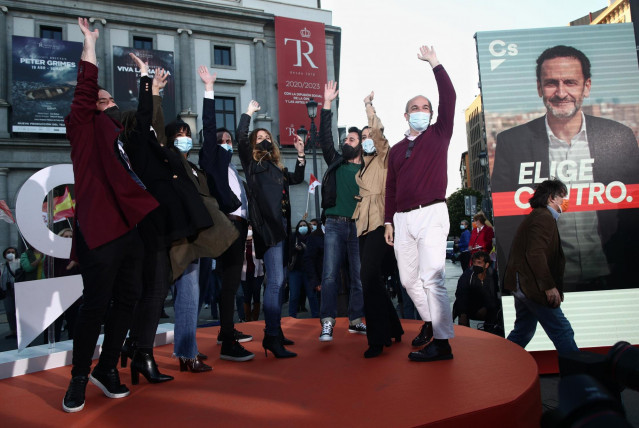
(144, 43)
(54, 33)
(222, 55)
(225, 112)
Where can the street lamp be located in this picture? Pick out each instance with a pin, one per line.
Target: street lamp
(486, 203)
(311, 109)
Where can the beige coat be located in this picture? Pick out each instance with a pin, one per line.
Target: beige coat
(369, 212)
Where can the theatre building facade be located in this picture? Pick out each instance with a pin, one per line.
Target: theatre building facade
(40, 46)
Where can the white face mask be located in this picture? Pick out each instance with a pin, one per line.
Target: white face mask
(11, 257)
(419, 121)
(369, 146)
(249, 234)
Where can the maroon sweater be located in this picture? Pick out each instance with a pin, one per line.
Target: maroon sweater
(422, 178)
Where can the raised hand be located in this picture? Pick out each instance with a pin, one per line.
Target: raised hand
(88, 50)
(142, 66)
(299, 145)
(330, 91)
(428, 54)
(89, 35)
(369, 98)
(207, 78)
(159, 80)
(253, 107)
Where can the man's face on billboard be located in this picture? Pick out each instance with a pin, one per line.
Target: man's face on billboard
(562, 86)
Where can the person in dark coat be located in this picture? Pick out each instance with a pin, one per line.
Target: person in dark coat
(270, 212)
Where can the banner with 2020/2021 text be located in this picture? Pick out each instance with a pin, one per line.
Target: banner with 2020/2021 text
(126, 78)
(301, 72)
(599, 165)
(44, 80)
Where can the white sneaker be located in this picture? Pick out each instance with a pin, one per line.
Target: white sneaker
(327, 332)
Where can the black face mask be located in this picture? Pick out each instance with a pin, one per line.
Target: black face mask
(265, 145)
(477, 270)
(349, 152)
(114, 113)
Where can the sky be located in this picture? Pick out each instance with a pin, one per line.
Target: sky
(381, 39)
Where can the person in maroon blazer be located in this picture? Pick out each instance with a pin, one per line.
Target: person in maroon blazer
(110, 202)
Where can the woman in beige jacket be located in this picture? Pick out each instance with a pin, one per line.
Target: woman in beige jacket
(381, 317)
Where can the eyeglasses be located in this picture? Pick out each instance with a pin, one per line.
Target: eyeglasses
(410, 149)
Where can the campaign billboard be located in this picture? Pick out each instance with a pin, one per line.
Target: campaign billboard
(574, 117)
(44, 80)
(301, 72)
(126, 78)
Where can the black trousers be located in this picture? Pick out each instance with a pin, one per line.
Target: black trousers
(156, 271)
(382, 322)
(112, 277)
(230, 265)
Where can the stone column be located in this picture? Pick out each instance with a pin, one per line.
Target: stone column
(100, 50)
(5, 64)
(5, 238)
(187, 73)
(262, 120)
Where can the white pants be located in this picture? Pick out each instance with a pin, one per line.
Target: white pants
(420, 248)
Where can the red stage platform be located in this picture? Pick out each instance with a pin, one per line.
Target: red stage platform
(490, 382)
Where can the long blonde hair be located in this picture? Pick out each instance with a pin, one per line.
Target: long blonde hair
(259, 155)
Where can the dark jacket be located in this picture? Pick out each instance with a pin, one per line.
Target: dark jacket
(215, 160)
(333, 160)
(537, 257)
(267, 185)
(109, 202)
(181, 213)
(297, 247)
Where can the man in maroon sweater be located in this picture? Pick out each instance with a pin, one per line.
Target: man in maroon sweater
(111, 201)
(416, 211)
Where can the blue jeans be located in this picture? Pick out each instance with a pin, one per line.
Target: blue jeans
(296, 280)
(340, 239)
(186, 308)
(275, 275)
(553, 321)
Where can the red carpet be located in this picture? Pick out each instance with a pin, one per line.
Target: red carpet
(490, 382)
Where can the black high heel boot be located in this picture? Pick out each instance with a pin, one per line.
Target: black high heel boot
(128, 349)
(194, 365)
(274, 344)
(284, 340)
(143, 362)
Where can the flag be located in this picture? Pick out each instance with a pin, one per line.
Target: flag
(63, 207)
(5, 213)
(313, 184)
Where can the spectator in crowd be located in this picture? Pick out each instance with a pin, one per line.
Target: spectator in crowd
(462, 245)
(11, 273)
(252, 279)
(481, 238)
(296, 276)
(477, 295)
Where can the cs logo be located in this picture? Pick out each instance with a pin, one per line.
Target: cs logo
(499, 49)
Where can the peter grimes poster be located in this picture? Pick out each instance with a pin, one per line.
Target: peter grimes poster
(44, 79)
(564, 103)
(126, 78)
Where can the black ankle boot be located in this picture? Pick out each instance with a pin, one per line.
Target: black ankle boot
(128, 349)
(284, 340)
(274, 344)
(143, 362)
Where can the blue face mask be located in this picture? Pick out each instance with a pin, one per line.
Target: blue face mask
(314, 227)
(462, 227)
(303, 230)
(183, 144)
(419, 121)
(228, 147)
(369, 146)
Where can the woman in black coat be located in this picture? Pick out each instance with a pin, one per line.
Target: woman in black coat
(270, 213)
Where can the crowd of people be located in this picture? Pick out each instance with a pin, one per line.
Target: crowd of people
(148, 219)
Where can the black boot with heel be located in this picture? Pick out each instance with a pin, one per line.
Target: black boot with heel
(143, 362)
(274, 344)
